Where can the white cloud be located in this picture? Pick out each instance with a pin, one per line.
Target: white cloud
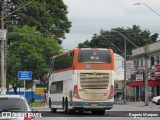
(73, 39)
(89, 16)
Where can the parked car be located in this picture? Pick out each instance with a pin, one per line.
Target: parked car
(156, 100)
(14, 103)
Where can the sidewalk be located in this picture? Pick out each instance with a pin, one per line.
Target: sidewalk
(139, 104)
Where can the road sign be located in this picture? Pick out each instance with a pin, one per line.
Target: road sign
(139, 77)
(39, 90)
(24, 75)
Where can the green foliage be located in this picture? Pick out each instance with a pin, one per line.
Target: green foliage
(135, 35)
(50, 16)
(29, 50)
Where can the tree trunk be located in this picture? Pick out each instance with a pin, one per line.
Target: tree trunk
(14, 88)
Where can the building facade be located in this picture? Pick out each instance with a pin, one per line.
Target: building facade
(146, 57)
(118, 76)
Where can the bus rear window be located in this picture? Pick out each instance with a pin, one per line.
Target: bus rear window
(89, 56)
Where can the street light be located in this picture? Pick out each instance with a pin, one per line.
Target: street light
(146, 59)
(148, 7)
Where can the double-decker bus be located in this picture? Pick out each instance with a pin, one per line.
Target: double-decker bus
(82, 79)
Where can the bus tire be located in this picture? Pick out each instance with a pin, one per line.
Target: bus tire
(63, 103)
(53, 110)
(94, 112)
(71, 112)
(80, 111)
(66, 106)
(49, 103)
(101, 112)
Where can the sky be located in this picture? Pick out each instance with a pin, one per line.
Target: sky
(89, 16)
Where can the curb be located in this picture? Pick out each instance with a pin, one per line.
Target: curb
(118, 102)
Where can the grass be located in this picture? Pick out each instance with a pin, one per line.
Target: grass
(39, 104)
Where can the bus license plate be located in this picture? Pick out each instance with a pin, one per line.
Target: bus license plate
(94, 104)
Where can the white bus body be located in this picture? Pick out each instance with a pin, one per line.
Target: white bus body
(85, 86)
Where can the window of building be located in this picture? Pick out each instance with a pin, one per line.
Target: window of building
(141, 62)
(157, 59)
(116, 85)
(152, 60)
(136, 63)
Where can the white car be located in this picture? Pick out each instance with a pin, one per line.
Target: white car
(12, 104)
(156, 100)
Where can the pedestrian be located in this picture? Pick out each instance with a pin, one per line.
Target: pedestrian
(43, 95)
(143, 96)
(151, 93)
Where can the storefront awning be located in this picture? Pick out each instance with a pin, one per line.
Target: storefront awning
(142, 83)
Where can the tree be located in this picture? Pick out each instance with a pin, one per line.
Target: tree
(154, 37)
(135, 34)
(49, 16)
(29, 50)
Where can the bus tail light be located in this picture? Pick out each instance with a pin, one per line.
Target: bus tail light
(111, 95)
(75, 94)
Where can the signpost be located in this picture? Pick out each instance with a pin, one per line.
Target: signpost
(24, 75)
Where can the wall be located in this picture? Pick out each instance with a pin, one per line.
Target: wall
(118, 67)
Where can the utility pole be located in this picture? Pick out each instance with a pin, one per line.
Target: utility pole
(125, 54)
(146, 74)
(4, 44)
(3, 38)
(125, 90)
(146, 49)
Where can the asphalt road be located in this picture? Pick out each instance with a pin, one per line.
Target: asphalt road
(119, 112)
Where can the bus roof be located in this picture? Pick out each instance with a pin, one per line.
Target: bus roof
(80, 49)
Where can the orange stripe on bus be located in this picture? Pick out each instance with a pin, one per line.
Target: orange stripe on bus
(83, 66)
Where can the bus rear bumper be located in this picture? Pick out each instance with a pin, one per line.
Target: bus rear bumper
(92, 105)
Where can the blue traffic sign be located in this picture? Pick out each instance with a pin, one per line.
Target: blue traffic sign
(24, 75)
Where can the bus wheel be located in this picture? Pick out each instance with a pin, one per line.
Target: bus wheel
(93, 112)
(49, 103)
(66, 106)
(101, 112)
(71, 112)
(80, 111)
(54, 110)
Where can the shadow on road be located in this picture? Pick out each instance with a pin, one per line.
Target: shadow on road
(84, 114)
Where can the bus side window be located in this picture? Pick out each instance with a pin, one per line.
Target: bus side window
(63, 62)
(56, 87)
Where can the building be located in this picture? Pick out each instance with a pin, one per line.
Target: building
(118, 75)
(151, 53)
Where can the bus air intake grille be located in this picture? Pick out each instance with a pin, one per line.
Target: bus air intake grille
(94, 80)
